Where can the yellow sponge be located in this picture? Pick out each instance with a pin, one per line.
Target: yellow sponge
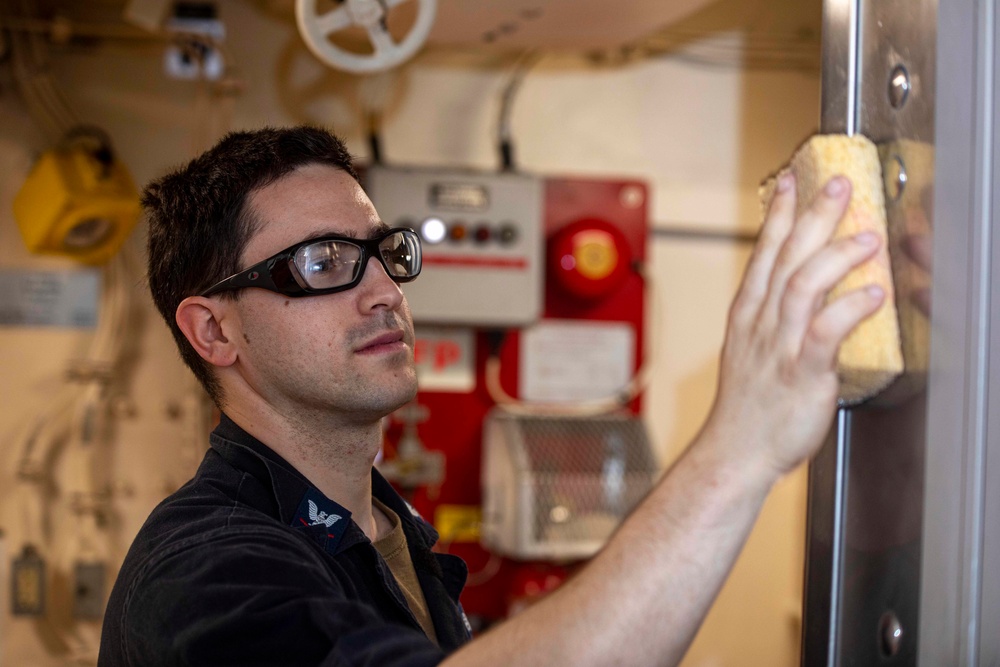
(871, 357)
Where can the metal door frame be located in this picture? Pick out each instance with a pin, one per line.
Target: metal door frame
(960, 581)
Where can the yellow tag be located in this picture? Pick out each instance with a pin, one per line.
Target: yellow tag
(458, 523)
(28, 588)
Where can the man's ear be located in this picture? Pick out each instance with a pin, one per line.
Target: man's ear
(201, 320)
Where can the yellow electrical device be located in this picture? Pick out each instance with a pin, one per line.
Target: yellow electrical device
(77, 202)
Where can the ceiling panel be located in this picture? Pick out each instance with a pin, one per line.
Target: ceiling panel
(555, 24)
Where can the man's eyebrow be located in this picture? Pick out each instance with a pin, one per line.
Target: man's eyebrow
(323, 233)
(376, 229)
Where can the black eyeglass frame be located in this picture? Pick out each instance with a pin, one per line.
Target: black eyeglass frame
(278, 272)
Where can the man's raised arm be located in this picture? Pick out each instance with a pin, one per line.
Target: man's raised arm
(641, 600)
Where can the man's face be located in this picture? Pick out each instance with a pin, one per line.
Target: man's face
(348, 354)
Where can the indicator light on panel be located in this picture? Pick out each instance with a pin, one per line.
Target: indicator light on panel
(458, 231)
(507, 233)
(482, 233)
(433, 230)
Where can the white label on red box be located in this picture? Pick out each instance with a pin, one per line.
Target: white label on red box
(445, 358)
(574, 360)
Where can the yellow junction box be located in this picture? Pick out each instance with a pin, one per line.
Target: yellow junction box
(74, 204)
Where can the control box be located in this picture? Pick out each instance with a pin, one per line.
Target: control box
(482, 237)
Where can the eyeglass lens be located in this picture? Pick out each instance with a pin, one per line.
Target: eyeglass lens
(329, 264)
(400, 254)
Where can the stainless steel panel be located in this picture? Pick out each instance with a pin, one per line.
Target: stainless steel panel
(838, 80)
(827, 473)
(878, 624)
(827, 482)
(897, 33)
(825, 547)
(866, 487)
(881, 533)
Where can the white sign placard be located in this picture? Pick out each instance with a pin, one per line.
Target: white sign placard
(49, 298)
(445, 358)
(573, 360)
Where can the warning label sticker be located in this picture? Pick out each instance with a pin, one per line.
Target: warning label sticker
(574, 360)
(445, 358)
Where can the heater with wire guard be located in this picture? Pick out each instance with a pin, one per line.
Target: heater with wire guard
(557, 487)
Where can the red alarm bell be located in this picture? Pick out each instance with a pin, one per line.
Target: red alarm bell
(589, 258)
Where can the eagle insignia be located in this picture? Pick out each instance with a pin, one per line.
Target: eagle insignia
(319, 518)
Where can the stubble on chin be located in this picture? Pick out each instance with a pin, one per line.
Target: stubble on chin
(405, 373)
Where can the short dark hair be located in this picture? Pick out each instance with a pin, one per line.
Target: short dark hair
(200, 224)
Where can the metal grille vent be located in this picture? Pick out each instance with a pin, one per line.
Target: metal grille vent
(557, 487)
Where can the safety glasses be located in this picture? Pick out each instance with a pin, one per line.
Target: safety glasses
(329, 264)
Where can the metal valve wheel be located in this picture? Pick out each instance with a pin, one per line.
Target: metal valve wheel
(369, 15)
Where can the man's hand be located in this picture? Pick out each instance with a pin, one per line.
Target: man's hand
(778, 381)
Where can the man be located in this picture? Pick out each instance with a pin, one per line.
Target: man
(281, 287)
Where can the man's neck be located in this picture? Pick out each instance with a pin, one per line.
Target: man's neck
(334, 456)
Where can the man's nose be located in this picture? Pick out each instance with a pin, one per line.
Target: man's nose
(378, 290)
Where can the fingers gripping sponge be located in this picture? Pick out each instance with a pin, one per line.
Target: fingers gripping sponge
(871, 357)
